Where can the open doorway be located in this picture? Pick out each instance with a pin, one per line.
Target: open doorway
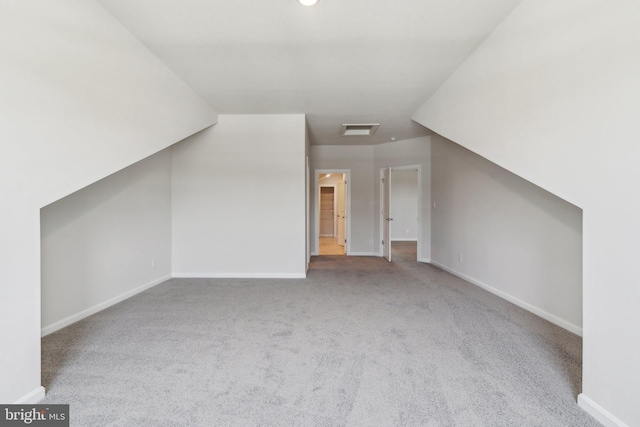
(332, 212)
(400, 220)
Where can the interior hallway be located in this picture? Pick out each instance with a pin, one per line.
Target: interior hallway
(360, 342)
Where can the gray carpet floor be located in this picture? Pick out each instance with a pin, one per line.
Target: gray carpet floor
(360, 342)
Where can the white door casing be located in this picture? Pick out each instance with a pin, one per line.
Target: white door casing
(316, 210)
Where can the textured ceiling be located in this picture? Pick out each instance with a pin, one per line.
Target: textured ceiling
(341, 61)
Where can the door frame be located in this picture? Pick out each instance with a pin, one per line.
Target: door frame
(347, 192)
(398, 168)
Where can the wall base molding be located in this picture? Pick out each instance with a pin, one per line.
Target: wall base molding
(355, 254)
(99, 307)
(240, 275)
(605, 417)
(404, 240)
(32, 398)
(425, 260)
(529, 307)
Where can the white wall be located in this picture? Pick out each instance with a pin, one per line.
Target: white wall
(106, 242)
(554, 96)
(238, 199)
(81, 99)
(505, 234)
(359, 159)
(403, 203)
(409, 152)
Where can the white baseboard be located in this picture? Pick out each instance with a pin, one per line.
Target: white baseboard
(605, 417)
(32, 398)
(533, 309)
(99, 307)
(354, 254)
(240, 275)
(426, 260)
(314, 254)
(404, 240)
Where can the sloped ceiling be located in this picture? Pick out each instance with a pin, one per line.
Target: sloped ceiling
(341, 61)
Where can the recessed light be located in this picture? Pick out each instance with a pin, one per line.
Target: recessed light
(307, 2)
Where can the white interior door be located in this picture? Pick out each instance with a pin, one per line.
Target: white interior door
(346, 209)
(386, 218)
(341, 211)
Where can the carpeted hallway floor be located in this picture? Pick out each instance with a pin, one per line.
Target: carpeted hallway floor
(360, 342)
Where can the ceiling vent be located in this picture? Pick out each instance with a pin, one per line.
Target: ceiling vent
(359, 129)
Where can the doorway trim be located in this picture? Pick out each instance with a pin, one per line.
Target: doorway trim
(316, 213)
(419, 229)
